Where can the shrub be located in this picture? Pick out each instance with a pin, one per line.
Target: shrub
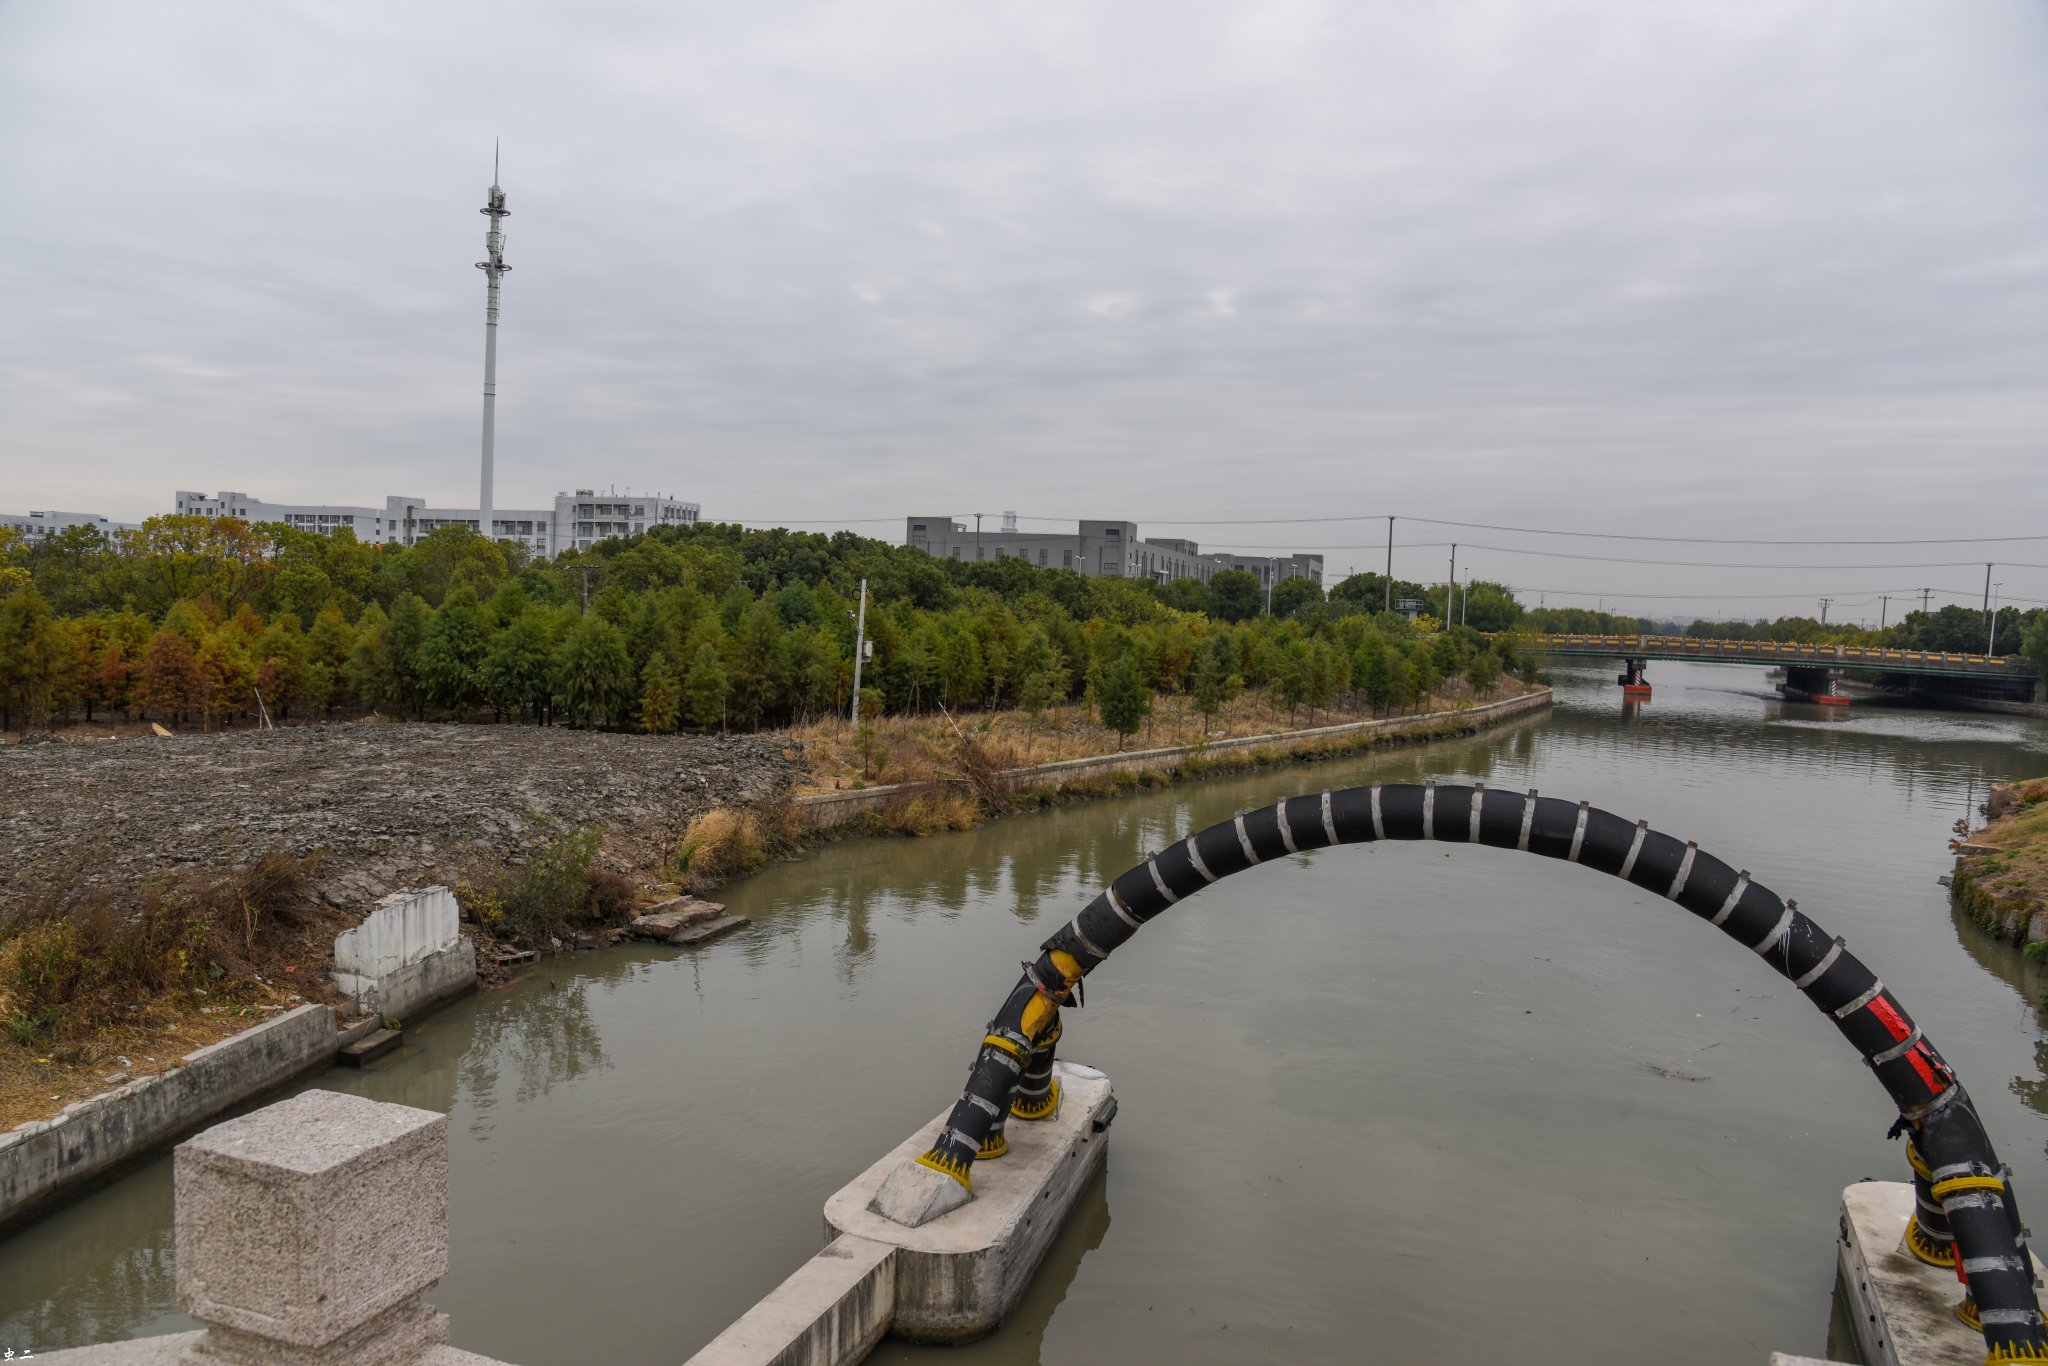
(720, 844)
(547, 884)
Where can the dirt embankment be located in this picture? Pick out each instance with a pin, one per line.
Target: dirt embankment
(393, 805)
(2001, 875)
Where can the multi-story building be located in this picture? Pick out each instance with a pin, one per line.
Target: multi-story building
(1098, 548)
(36, 525)
(1274, 570)
(576, 520)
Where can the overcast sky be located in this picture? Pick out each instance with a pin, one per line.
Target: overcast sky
(1775, 270)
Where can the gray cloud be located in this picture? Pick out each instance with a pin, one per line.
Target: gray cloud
(1689, 269)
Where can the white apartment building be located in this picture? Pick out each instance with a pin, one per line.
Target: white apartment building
(1096, 548)
(576, 520)
(36, 525)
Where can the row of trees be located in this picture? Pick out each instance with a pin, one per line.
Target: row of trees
(655, 647)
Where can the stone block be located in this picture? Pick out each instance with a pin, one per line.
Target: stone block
(307, 1230)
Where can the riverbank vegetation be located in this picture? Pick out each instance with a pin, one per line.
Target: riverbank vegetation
(201, 624)
(2001, 875)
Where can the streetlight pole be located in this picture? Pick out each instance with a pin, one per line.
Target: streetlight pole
(977, 538)
(1451, 588)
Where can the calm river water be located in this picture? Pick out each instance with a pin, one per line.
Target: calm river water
(1411, 1099)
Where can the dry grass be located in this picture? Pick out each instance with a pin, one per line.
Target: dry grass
(88, 978)
(902, 749)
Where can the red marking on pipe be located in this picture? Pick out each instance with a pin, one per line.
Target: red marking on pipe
(1926, 1073)
(1885, 1011)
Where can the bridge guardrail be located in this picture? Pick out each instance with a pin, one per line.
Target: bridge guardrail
(1873, 657)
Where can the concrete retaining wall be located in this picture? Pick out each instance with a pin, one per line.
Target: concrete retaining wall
(403, 929)
(51, 1162)
(825, 809)
(413, 990)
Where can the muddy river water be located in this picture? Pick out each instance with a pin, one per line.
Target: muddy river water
(1390, 1103)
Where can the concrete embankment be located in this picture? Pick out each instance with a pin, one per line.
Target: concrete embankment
(402, 962)
(1103, 774)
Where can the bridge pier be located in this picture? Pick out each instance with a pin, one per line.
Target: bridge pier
(1811, 684)
(1631, 679)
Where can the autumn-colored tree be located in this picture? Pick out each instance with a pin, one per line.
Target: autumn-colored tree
(281, 665)
(176, 557)
(229, 674)
(37, 658)
(170, 681)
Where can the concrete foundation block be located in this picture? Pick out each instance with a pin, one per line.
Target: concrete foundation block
(412, 990)
(1902, 1309)
(832, 1312)
(959, 1274)
(914, 1195)
(307, 1230)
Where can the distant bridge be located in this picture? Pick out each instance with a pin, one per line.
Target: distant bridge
(1810, 669)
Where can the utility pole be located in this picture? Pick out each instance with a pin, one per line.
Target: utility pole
(1451, 588)
(1884, 606)
(1987, 597)
(860, 651)
(1390, 564)
(1992, 648)
(1465, 603)
(1824, 610)
(494, 269)
(977, 538)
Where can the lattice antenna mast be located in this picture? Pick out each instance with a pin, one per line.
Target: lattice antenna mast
(494, 272)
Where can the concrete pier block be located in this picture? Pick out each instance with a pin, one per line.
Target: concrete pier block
(1903, 1310)
(832, 1312)
(961, 1273)
(307, 1230)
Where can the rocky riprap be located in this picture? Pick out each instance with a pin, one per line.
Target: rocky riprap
(393, 804)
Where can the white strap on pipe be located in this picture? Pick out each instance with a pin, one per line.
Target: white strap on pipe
(1244, 841)
(1635, 846)
(1818, 970)
(1280, 816)
(1195, 857)
(1116, 904)
(1897, 1050)
(1579, 833)
(1770, 941)
(1429, 809)
(1379, 829)
(1728, 906)
(1152, 867)
(1329, 820)
(1692, 848)
(1528, 820)
(1478, 801)
(1876, 989)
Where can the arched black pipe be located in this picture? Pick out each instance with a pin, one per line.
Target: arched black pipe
(1972, 1187)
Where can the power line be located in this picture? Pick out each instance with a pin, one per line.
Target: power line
(1676, 564)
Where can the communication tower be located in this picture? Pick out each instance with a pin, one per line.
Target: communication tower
(494, 271)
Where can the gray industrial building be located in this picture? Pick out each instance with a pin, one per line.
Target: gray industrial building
(1097, 548)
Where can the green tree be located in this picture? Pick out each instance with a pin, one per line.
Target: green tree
(1185, 595)
(595, 674)
(1235, 595)
(660, 695)
(1482, 672)
(1126, 702)
(705, 689)
(1400, 680)
(401, 684)
(1289, 595)
(36, 658)
(453, 652)
(758, 666)
(281, 660)
(519, 672)
(1374, 675)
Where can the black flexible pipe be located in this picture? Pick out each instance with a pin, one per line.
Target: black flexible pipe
(1972, 1188)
